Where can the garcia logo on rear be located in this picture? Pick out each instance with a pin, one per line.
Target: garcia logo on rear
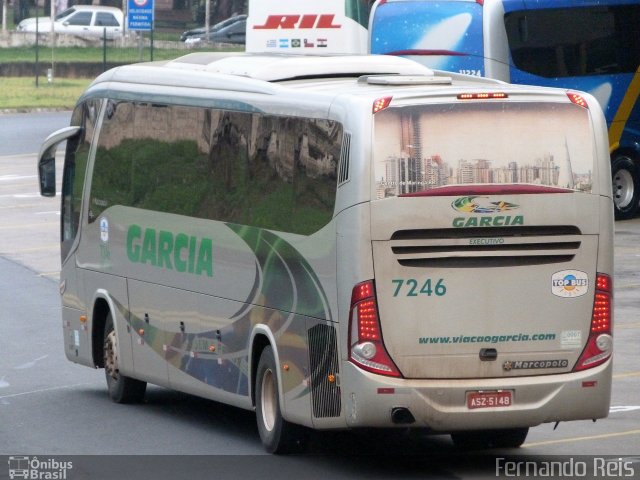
(480, 205)
(569, 283)
(475, 204)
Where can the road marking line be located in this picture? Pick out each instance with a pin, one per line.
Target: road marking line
(7, 184)
(627, 325)
(32, 249)
(624, 408)
(21, 205)
(629, 285)
(21, 195)
(625, 375)
(16, 155)
(581, 439)
(49, 274)
(47, 390)
(10, 177)
(44, 223)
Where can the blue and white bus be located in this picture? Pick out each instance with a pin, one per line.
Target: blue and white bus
(589, 45)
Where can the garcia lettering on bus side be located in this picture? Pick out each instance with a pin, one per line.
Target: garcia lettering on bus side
(163, 249)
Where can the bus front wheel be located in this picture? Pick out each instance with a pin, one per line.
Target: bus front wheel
(277, 435)
(121, 389)
(626, 186)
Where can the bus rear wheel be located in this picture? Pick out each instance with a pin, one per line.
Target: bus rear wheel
(121, 389)
(626, 186)
(277, 435)
(483, 439)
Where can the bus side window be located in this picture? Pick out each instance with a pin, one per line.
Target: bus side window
(575, 41)
(266, 171)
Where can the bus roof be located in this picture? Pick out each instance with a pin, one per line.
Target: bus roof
(273, 74)
(274, 68)
(191, 69)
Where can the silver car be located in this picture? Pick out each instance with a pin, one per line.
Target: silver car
(81, 20)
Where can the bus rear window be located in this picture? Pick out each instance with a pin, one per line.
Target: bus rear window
(422, 147)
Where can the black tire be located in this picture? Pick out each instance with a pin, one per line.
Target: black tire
(121, 389)
(625, 176)
(278, 436)
(484, 439)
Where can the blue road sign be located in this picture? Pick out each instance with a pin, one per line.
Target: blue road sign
(140, 15)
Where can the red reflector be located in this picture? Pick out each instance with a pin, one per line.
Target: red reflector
(577, 99)
(591, 383)
(386, 391)
(482, 96)
(381, 104)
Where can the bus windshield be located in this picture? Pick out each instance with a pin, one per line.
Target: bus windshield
(422, 147)
(444, 36)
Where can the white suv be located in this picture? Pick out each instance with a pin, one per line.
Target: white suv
(79, 20)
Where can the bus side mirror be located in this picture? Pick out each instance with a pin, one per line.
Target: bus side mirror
(47, 159)
(47, 174)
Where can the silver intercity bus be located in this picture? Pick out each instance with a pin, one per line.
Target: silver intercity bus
(340, 242)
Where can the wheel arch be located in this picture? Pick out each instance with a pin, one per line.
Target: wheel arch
(262, 337)
(631, 151)
(102, 306)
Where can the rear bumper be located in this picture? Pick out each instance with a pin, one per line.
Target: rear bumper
(441, 405)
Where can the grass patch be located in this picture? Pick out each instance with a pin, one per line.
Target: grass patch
(22, 93)
(95, 54)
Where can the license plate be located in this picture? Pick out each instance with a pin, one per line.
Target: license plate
(500, 398)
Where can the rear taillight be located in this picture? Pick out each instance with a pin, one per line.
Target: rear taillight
(600, 343)
(380, 104)
(577, 99)
(366, 348)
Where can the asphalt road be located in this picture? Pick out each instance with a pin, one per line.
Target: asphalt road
(23, 133)
(51, 408)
